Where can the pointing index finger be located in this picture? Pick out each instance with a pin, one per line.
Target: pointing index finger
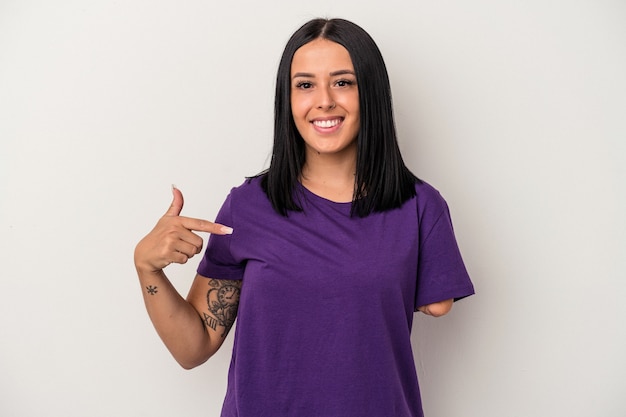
(200, 225)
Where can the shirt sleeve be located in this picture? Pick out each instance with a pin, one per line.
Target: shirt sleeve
(441, 272)
(218, 261)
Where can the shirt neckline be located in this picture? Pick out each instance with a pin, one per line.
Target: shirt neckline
(346, 208)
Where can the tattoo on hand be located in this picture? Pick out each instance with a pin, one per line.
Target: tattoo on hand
(223, 301)
(151, 290)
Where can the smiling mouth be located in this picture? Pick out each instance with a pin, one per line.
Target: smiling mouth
(325, 124)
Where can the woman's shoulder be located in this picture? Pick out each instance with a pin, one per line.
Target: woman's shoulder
(426, 191)
(250, 191)
(429, 199)
(250, 183)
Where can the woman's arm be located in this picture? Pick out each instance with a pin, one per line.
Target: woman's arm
(178, 322)
(193, 329)
(437, 309)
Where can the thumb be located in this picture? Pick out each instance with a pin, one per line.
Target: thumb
(177, 203)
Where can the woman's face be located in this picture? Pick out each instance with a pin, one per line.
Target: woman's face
(325, 98)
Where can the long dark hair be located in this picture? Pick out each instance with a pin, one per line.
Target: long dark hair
(383, 181)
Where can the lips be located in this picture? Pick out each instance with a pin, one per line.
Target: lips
(327, 123)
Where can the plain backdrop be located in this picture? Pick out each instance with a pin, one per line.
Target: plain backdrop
(515, 111)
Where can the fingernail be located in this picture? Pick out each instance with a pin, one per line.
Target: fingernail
(174, 187)
(227, 230)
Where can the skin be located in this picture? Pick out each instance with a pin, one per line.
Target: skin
(437, 309)
(325, 107)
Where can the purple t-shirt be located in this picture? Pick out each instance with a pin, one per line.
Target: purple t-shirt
(327, 302)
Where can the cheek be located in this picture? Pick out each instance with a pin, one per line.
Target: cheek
(299, 109)
(349, 101)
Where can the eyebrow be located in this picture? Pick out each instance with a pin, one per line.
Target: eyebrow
(332, 74)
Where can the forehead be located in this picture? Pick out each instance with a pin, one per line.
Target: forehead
(321, 55)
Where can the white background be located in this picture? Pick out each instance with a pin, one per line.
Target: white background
(515, 111)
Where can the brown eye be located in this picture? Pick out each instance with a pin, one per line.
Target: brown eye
(344, 83)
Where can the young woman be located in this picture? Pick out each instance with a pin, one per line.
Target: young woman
(324, 258)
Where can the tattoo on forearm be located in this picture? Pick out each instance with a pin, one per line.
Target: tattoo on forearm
(152, 290)
(223, 301)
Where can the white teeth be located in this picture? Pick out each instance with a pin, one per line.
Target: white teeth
(326, 123)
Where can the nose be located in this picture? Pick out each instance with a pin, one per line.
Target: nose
(325, 99)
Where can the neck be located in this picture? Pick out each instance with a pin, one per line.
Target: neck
(330, 176)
